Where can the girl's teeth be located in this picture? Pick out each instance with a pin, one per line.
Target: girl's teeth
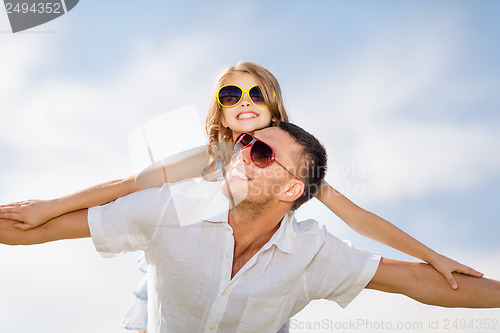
(247, 116)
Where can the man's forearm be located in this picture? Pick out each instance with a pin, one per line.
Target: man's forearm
(473, 292)
(68, 226)
(424, 284)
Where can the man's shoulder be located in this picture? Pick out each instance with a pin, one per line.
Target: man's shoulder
(306, 226)
(309, 228)
(314, 232)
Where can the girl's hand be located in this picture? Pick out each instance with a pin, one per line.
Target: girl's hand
(446, 266)
(29, 213)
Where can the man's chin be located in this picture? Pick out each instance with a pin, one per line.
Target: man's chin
(235, 190)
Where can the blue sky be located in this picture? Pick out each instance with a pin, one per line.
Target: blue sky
(404, 96)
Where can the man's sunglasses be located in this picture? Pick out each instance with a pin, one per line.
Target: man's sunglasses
(261, 153)
(230, 95)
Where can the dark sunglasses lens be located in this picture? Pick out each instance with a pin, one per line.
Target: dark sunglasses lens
(229, 95)
(261, 154)
(242, 141)
(256, 96)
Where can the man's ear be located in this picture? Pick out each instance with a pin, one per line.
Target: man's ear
(293, 191)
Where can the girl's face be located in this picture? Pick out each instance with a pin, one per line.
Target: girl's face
(245, 116)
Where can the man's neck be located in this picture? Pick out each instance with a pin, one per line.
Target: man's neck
(252, 232)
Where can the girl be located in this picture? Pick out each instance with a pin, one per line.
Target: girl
(246, 97)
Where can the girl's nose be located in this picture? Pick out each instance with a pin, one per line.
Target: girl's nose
(245, 100)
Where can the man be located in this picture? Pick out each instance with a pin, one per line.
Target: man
(229, 257)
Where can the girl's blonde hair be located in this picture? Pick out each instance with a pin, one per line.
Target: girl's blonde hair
(269, 86)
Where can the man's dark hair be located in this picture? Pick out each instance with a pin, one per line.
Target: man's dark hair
(311, 161)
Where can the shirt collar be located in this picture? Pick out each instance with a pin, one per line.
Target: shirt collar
(282, 238)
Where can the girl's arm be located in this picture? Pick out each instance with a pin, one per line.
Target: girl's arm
(32, 213)
(380, 230)
(184, 165)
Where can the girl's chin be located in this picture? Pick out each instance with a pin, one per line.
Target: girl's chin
(250, 126)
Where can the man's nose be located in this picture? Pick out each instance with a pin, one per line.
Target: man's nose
(244, 155)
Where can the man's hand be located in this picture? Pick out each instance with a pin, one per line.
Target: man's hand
(28, 214)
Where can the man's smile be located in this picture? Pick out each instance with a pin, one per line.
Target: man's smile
(238, 174)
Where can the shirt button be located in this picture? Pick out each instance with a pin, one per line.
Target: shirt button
(227, 255)
(211, 327)
(224, 293)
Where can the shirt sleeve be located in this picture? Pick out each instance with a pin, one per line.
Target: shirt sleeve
(339, 272)
(129, 223)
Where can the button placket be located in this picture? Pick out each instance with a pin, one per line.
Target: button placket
(218, 309)
(225, 287)
(227, 263)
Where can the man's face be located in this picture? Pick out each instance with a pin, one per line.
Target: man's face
(250, 184)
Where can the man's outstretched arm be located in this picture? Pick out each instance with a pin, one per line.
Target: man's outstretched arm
(423, 283)
(68, 226)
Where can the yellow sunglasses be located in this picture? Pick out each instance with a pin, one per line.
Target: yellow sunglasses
(230, 95)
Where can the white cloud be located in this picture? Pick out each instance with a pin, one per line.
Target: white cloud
(77, 130)
(367, 112)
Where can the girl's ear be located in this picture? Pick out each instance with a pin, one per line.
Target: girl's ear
(224, 122)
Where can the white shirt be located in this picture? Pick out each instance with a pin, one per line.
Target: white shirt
(184, 232)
